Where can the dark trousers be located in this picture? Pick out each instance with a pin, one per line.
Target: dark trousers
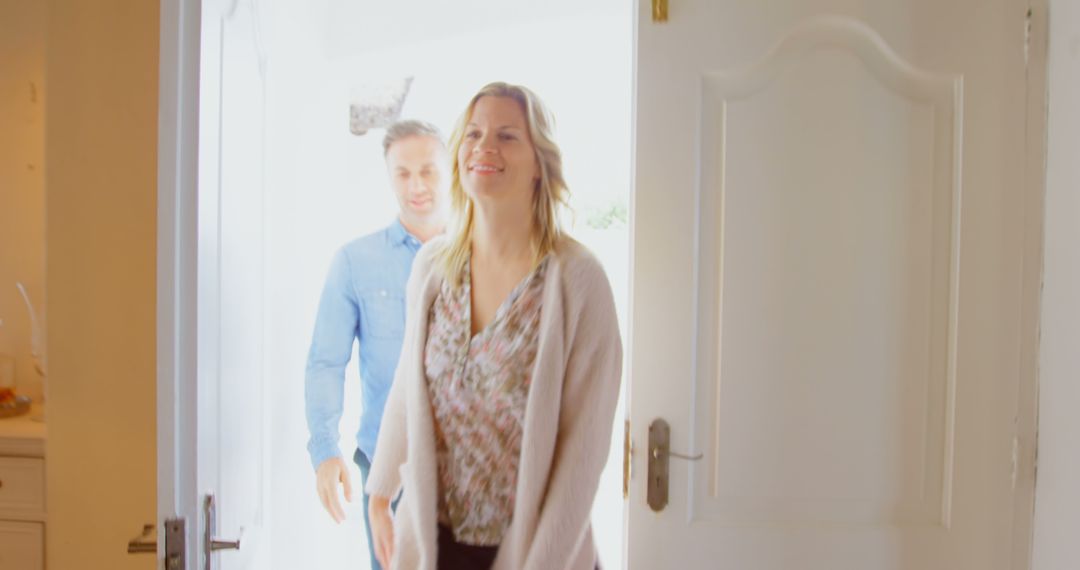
(364, 464)
(454, 555)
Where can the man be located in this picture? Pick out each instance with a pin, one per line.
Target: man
(364, 299)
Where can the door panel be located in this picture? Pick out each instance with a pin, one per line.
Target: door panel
(839, 335)
(824, 292)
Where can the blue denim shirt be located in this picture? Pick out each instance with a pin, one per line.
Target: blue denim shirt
(363, 299)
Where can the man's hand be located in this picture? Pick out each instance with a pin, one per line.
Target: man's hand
(327, 476)
(382, 529)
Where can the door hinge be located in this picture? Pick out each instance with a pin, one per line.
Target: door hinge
(659, 10)
(1027, 36)
(628, 450)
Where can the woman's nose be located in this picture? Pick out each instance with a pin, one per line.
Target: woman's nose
(484, 145)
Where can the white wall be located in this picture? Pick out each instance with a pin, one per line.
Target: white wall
(1057, 491)
(22, 180)
(101, 211)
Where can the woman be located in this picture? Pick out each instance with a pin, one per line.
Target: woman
(499, 420)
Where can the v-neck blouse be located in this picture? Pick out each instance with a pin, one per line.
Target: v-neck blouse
(479, 386)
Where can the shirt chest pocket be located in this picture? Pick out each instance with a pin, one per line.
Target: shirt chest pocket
(383, 314)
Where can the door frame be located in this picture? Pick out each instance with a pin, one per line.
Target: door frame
(1027, 414)
(177, 278)
(177, 395)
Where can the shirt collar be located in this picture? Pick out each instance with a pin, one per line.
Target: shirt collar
(400, 236)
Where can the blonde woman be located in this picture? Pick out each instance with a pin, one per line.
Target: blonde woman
(499, 420)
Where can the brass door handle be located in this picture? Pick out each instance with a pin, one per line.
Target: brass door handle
(216, 545)
(211, 544)
(659, 451)
(143, 543)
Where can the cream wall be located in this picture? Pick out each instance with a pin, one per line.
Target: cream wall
(101, 134)
(22, 181)
(1057, 491)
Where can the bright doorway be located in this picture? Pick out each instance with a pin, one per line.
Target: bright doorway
(293, 184)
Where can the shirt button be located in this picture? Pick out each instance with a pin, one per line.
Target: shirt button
(382, 292)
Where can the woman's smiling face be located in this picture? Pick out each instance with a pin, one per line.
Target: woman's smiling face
(496, 158)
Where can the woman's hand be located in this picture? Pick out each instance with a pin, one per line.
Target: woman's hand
(382, 529)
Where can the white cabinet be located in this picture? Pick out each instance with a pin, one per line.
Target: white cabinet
(22, 492)
(22, 545)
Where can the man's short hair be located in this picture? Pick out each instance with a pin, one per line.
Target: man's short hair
(409, 128)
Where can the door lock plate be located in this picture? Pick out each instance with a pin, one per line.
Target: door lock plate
(659, 455)
(175, 544)
(659, 443)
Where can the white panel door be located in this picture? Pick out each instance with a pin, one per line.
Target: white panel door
(231, 282)
(827, 256)
(230, 323)
(212, 412)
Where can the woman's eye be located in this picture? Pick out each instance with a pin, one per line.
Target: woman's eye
(472, 135)
(507, 137)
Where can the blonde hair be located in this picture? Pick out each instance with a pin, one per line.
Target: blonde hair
(550, 192)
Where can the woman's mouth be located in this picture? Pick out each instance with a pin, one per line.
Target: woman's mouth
(482, 168)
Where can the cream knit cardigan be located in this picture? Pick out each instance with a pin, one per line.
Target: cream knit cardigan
(565, 437)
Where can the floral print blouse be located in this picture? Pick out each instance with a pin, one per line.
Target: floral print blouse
(479, 386)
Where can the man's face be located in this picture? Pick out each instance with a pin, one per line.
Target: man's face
(417, 168)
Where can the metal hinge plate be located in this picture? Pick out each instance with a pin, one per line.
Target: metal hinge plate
(175, 544)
